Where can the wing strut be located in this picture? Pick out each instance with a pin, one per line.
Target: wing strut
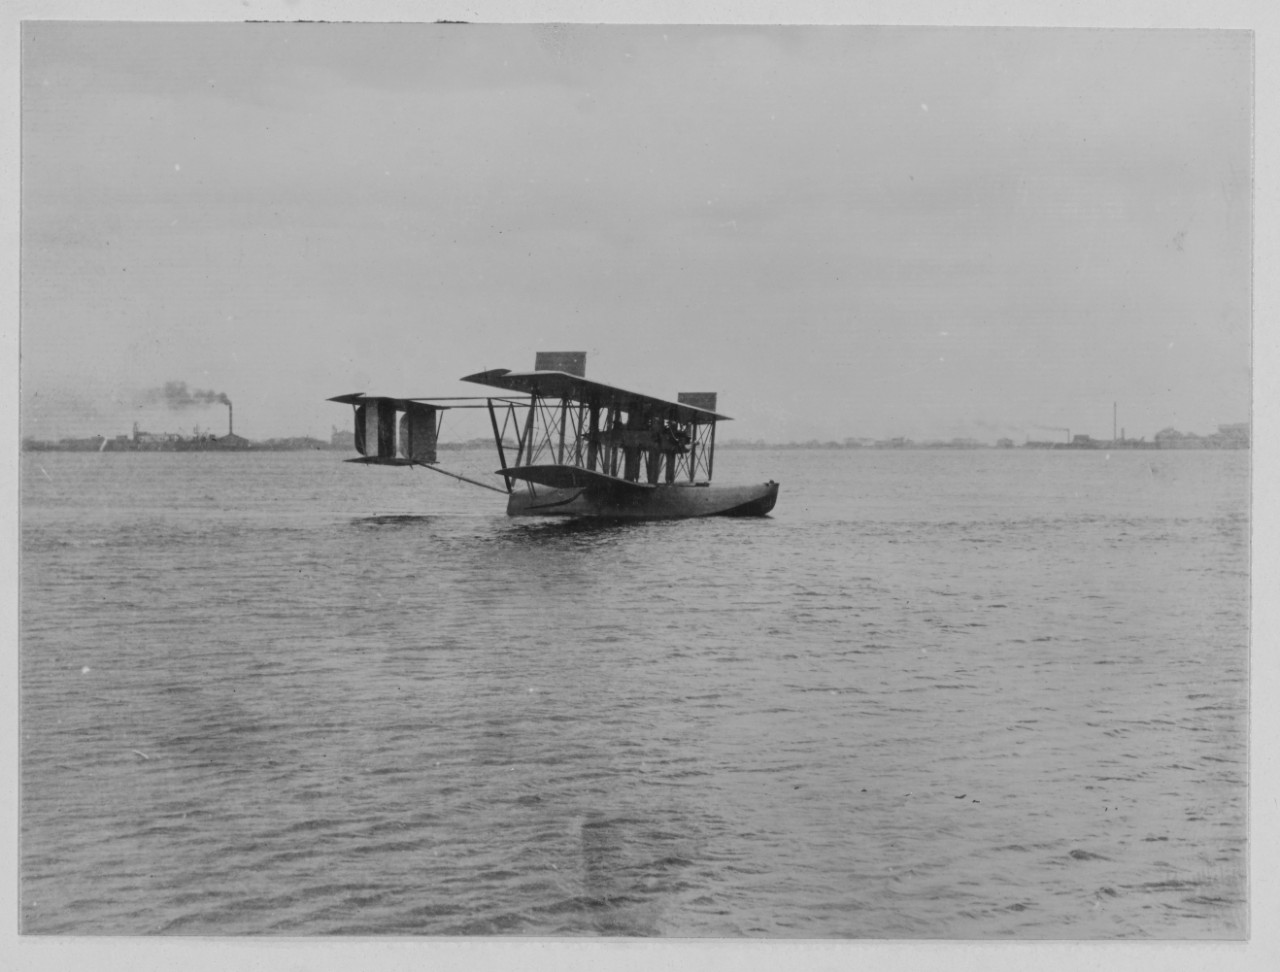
(497, 437)
(473, 482)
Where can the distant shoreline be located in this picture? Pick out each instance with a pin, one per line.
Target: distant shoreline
(1217, 441)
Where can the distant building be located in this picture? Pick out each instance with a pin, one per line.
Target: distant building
(1004, 443)
(230, 441)
(1171, 438)
(343, 439)
(1233, 436)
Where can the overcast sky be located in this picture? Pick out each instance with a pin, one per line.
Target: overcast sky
(845, 231)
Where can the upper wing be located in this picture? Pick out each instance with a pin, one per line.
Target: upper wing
(559, 384)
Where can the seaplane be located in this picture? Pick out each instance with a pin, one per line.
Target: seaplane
(582, 448)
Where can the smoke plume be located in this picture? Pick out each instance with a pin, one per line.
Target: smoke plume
(177, 396)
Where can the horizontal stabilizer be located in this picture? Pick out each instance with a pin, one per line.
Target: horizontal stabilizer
(569, 477)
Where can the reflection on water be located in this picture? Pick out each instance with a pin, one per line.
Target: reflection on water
(396, 519)
(570, 531)
(935, 695)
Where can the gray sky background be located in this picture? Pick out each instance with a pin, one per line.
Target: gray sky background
(845, 231)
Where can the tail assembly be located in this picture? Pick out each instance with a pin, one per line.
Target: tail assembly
(383, 441)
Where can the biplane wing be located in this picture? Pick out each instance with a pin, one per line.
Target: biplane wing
(571, 477)
(575, 388)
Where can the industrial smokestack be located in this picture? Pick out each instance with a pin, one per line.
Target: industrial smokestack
(231, 426)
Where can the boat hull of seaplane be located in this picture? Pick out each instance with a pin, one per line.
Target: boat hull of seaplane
(672, 501)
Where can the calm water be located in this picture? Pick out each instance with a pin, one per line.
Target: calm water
(937, 694)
